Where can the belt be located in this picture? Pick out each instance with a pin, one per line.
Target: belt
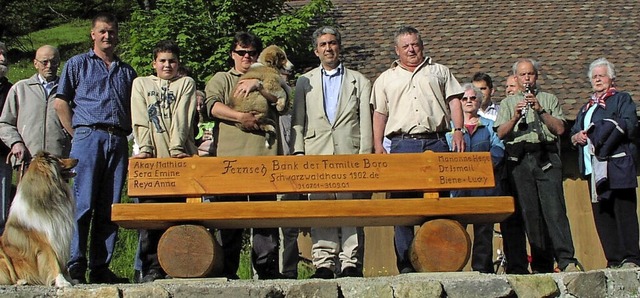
(113, 130)
(419, 136)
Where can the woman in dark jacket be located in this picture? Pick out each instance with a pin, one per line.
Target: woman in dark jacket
(603, 133)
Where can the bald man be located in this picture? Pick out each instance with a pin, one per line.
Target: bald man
(511, 86)
(28, 122)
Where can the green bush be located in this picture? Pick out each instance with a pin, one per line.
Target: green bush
(204, 30)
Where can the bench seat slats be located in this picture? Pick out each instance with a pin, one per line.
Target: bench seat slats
(317, 213)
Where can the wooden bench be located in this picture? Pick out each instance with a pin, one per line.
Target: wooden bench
(187, 249)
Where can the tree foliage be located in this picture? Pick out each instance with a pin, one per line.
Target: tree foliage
(204, 30)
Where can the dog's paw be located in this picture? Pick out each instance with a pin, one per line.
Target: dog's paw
(21, 282)
(62, 282)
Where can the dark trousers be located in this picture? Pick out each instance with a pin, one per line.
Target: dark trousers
(264, 251)
(515, 245)
(617, 225)
(403, 235)
(541, 199)
(149, 239)
(482, 252)
(290, 252)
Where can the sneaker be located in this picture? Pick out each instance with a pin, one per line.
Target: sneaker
(350, 272)
(323, 273)
(105, 276)
(573, 267)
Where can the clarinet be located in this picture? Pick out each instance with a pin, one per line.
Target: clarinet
(522, 124)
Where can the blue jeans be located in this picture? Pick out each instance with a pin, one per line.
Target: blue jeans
(403, 235)
(6, 173)
(101, 172)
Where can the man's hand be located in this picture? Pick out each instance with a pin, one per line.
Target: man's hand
(532, 100)
(249, 121)
(379, 149)
(458, 141)
(142, 155)
(520, 106)
(20, 151)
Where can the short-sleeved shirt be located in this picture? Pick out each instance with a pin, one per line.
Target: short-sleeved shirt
(97, 94)
(418, 101)
(536, 132)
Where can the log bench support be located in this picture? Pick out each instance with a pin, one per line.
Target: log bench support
(187, 249)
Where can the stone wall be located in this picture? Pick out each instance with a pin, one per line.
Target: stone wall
(597, 283)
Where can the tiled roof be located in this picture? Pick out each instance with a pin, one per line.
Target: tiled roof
(471, 36)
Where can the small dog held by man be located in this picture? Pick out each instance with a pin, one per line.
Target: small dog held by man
(35, 245)
(271, 66)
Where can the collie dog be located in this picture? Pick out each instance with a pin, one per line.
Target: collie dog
(35, 245)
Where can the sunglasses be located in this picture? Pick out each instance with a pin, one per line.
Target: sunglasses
(469, 98)
(244, 52)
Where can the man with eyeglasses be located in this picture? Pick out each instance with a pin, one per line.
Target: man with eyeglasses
(413, 104)
(229, 140)
(29, 122)
(5, 168)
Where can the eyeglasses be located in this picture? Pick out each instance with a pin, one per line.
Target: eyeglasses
(50, 62)
(469, 98)
(244, 52)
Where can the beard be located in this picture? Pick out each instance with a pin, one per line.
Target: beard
(3, 70)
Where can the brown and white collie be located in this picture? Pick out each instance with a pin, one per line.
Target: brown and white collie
(35, 245)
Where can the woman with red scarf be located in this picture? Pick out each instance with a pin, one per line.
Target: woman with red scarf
(603, 133)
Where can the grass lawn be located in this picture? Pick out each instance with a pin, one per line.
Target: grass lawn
(71, 39)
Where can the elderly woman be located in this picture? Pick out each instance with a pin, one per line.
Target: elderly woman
(602, 132)
(480, 137)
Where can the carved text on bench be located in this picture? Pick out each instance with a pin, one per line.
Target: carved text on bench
(281, 174)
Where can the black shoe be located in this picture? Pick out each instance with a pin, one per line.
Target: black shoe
(137, 276)
(78, 272)
(270, 274)
(407, 270)
(324, 273)
(290, 275)
(105, 276)
(350, 272)
(231, 276)
(152, 275)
